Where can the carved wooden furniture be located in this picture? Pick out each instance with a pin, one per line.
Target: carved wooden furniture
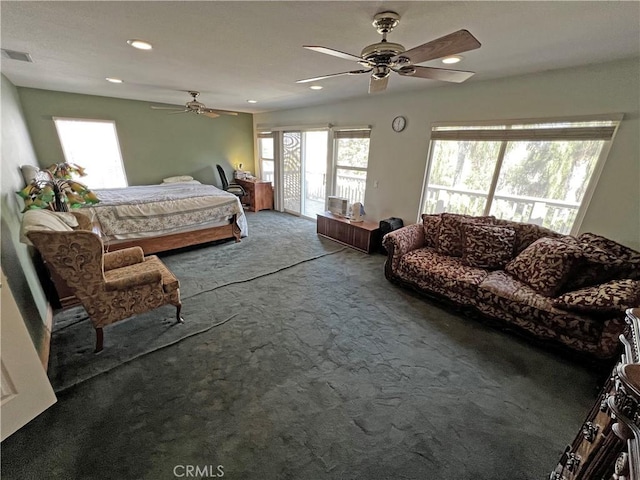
(607, 447)
(259, 194)
(111, 286)
(363, 236)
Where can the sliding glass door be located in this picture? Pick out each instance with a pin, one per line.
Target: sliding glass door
(304, 161)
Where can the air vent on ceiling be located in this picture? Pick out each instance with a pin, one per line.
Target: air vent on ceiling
(13, 55)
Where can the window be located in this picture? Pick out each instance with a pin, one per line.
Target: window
(266, 155)
(534, 172)
(93, 145)
(351, 159)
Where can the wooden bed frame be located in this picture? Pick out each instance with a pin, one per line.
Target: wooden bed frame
(163, 243)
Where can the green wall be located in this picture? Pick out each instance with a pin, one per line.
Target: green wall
(154, 144)
(22, 278)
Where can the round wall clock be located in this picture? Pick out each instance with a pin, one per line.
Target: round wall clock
(399, 123)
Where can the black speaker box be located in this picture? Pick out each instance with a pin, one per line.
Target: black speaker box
(389, 225)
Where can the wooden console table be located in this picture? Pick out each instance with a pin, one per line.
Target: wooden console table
(363, 236)
(259, 194)
(608, 444)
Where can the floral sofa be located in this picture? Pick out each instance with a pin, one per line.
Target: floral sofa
(565, 289)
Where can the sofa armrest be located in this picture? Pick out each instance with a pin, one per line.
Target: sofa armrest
(399, 242)
(134, 280)
(123, 258)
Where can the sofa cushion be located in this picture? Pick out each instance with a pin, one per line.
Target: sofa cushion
(450, 238)
(545, 264)
(527, 233)
(431, 225)
(502, 296)
(628, 265)
(613, 296)
(442, 274)
(487, 246)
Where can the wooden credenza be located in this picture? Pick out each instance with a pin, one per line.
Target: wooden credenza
(608, 444)
(259, 194)
(363, 236)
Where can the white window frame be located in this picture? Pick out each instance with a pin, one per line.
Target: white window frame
(607, 134)
(336, 134)
(87, 165)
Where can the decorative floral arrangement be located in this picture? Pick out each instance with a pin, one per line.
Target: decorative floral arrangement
(54, 188)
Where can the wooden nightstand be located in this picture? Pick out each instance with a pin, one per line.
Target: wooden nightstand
(259, 194)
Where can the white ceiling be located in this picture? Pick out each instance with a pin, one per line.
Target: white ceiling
(240, 50)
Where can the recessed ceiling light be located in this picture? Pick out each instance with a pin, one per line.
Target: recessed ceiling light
(252, 101)
(316, 87)
(113, 80)
(452, 59)
(140, 44)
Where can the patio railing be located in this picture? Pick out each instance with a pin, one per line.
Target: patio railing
(554, 214)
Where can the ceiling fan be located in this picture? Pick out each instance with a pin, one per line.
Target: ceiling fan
(194, 106)
(382, 58)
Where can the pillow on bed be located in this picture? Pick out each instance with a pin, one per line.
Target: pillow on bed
(29, 173)
(178, 178)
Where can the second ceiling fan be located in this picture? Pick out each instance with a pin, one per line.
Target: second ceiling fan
(384, 57)
(194, 106)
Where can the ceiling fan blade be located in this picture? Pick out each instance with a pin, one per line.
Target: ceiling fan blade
(446, 75)
(209, 114)
(335, 53)
(165, 108)
(353, 72)
(219, 112)
(456, 42)
(179, 111)
(378, 85)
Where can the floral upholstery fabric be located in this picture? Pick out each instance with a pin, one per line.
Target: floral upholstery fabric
(135, 288)
(487, 246)
(450, 235)
(444, 274)
(513, 296)
(527, 233)
(545, 264)
(431, 225)
(401, 241)
(497, 294)
(123, 258)
(613, 296)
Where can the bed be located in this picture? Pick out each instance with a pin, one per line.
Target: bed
(166, 216)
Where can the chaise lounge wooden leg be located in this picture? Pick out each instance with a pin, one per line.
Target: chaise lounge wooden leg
(178, 317)
(99, 339)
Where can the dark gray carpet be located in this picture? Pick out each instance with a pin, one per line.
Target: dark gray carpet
(324, 371)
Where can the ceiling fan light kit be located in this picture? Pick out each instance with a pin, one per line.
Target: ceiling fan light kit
(381, 58)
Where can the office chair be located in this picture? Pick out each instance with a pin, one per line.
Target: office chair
(234, 188)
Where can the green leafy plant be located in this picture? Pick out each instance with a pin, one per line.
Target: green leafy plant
(55, 189)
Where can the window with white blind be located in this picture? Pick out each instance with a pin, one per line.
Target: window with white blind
(266, 155)
(93, 145)
(541, 172)
(351, 160)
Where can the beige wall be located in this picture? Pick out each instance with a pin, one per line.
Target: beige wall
(397, 160)
(17, 150)
(154, 144)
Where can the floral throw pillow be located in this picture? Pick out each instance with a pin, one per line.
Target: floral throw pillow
(450, 238)
(545, 264)
(487, 246)
(613, 296)
(431, 225)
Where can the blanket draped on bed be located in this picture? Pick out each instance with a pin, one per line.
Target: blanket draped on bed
(150, 210)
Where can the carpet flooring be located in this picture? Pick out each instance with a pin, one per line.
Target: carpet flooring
(319, 369)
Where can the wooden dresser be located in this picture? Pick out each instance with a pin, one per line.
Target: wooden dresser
(608, 444)
(259, 194)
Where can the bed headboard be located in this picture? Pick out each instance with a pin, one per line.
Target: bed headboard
(207, 175)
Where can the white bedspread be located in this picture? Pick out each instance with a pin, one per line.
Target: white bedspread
(151, 210)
